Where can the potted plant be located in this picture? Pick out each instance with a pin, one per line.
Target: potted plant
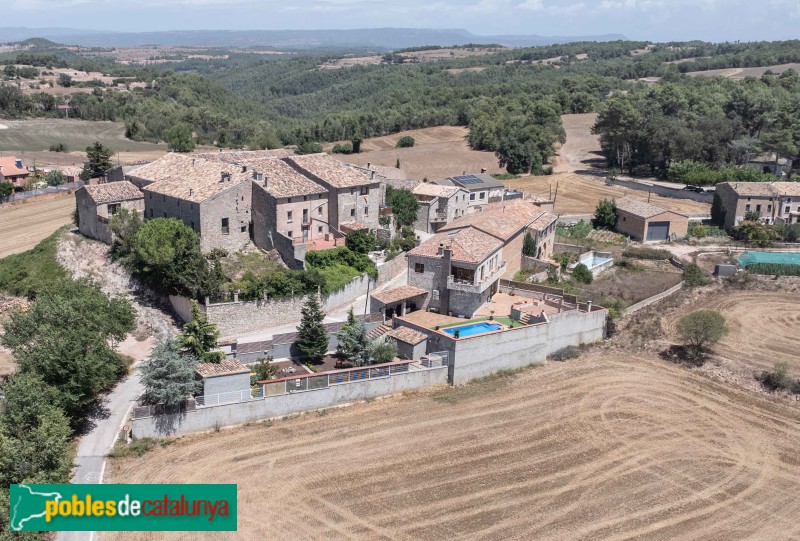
(491, 315)
(457, 334)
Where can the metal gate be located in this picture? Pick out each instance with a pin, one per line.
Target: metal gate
(658, 231)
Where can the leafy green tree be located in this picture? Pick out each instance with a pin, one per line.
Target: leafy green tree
(605, 215)
(64, 80)
(265, 368)
(124, 225)
(308, 147)
(6, 189)
(356, 142)
(199, 337)
(717, 211)
(55, 178)
(405, 142)
(179, 138)
(68, 336)
(342, 149)
(99, 161)
(312, 337)
(529, 245)
(700, 330)
(361, 241)
(59, 147)
(168, 257)
(404, 205)
(756, 232)
(381, 351)
(582, 274)
(10, 71)
(694, 276)
(168, 375)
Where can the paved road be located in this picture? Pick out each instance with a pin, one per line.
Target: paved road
(94, 446)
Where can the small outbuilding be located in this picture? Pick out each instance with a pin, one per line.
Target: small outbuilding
(226, 376)
(411, 343)
(649, 223)
(97, 204)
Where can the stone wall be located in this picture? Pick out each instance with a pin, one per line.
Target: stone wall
(208, 418)
(234, 318)
(569, 248)
(676, 193)
(356, 288)
(182, 307)
(392, 268)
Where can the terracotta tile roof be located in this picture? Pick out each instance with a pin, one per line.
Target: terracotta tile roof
(113, 191)
(407, 335)
(282, 180)
(330, 170)
(189, 177)
(389, 172)
(766, 189)
(501, 220)
(225, 367)
(469, 245)
(352, 226)
(640, 208)
(237, 156)
(436, 190)
(9, 168)
(397, 294)
(71, 171)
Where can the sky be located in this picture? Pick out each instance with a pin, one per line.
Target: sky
(654, 20)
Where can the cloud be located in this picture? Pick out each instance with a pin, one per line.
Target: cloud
(532, 5)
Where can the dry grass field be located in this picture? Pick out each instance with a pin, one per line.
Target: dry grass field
(579, 194)
(763, 328)
(608, 446)
(581, 151)
(24, 225)
(438, 153)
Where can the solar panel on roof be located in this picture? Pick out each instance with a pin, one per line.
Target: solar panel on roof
(468, 179)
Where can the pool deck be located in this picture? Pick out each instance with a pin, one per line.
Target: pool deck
(430, 320)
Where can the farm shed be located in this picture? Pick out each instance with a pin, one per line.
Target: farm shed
(649, 223)
(228, 376)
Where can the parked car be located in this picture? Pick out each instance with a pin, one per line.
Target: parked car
(692, 188)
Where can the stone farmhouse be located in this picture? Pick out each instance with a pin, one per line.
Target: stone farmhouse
(12, 170)
(645, 222)
(97, 204)
(482, 189)
(509, 222)
(208, 195)
(438, 205)
(460, 270)
(354, 197)
(774, 202)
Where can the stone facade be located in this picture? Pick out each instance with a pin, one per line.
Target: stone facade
(434, 212)
(93, 216)
(359, 204)
(222, 220)
(775, 203)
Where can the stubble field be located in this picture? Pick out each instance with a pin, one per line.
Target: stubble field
(24, 225)
(609, 446)
(579, 194)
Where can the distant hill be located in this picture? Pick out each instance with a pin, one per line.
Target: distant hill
(377, 38)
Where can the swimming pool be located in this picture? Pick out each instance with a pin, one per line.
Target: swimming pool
(473, 328)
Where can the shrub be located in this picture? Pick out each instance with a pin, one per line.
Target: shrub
(361, 241)
(700, 330)
(405, 142)
(565, 354)
(615, 306)
(564, 258)
(778, 379)
(345, 148)
(265, 369)
(628, 264)
(647, 253)
(308, 147)
(59, 147)
(694, 276)
(582, 274)
(605, 215)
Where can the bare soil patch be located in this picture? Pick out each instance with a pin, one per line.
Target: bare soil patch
(611, 445)
(24, 225)
(581, 151)
(631, 286)
(741, 73)
(428, 55)
(579, 194)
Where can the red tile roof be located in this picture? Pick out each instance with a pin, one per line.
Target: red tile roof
(641, 209)
(8, 167)
(225, 367)
(330, 170)
(397, 294)
(502, 220)
(407, 335)
(469, 245)
(111, 192)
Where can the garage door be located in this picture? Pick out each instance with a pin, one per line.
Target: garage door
(658, 231)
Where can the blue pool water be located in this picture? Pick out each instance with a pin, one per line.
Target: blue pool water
(473, 329)
(595, 262)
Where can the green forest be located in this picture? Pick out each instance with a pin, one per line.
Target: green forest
(511, 106)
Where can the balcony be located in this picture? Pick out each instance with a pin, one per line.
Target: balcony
(465, 286)
(439, 217)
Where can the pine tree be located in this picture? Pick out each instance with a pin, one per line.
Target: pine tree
(99, 161)
(312, 337)
(200, 337)
(168, 376)
(528, 246)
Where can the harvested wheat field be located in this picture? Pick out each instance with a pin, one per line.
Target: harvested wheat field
(763, 328)
(24, 225)
(607, 446)
(579, 194)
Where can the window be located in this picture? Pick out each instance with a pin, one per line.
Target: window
(352, 212)
(366, 211)
(305, 198)
(113, 208)
(289, 217)
(225, 228)
(788, 209)
(352, 191)
(319, 210)
(290, 234)
(624, 219)
(319, 229)
(419, 267)
(769, 208)
(364, 190)
(244, 228)
(305, 215)
(151, 195)
(747, 208)
(472, 197)
(758, 208)
(179, 203)
(483, 195)
(289, 200)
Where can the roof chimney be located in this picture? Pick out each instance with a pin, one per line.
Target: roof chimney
(441, 249)
(266, 182)
(192, 162)
(226, 177)
(244, 169)
(191, 191)
(369, 164)
(483, 170)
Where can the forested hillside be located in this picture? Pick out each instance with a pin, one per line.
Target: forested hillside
(511, 99)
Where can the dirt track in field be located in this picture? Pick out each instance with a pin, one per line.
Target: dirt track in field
(579, 194)
(608, 446)
(24, 225)
(763, 328)
(581, 151)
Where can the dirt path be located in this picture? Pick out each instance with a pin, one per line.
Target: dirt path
(607, 446)
(24, 225)
(581, 151)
